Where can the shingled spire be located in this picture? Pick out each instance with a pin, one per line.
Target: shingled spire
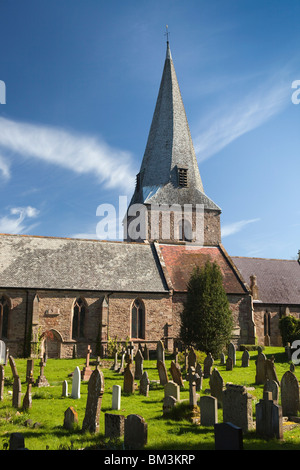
(169, 172)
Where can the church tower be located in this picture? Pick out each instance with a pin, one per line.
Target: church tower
(169, 203)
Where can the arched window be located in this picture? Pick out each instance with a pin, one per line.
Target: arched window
(267, 324)
(138, 320)
(79, 311)
(4, 312)
(185, 231)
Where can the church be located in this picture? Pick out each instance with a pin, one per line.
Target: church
(57, 294)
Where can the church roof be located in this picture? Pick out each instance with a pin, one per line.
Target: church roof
(73, 264)
(278, 280)
(170, 148)
(178, 262)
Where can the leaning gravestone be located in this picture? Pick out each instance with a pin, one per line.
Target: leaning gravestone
(176, 374)
(94, 401)
(160, 352)
(76, 383)
(271, 371)
(289, 394)
(136, 432)
(162, 372)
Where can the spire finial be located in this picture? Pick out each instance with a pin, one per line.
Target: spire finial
(167, 33)
(168, 56)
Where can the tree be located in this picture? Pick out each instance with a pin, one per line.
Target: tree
(206, 319)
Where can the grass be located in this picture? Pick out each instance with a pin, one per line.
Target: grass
(48, 407)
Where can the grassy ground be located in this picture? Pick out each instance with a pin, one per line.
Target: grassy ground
(48, 407)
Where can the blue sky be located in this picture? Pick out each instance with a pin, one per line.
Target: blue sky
(81, 81)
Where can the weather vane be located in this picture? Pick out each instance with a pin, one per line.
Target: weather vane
(167, 33)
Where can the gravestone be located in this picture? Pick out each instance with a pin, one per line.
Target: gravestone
(116, 397)
(87, 371)
(199, 379)
(245, 358)
(94, 401)
(1, 381)
(207, 366)
(229, 363)
(13, 366)
(268, 418)
(208, 410)
(135, 432)
(192, 358)
(270, 370)
(160, 352)
(222, 359)
(64, 392)
(70, 418)
(16, 397)
(114, 425)
(138, 365)
(260, 377)
(273, 387)
(168, 404)
(41, 381)
(176, 374)
(172, 389)
(29, 369)
(231, 353)
(162, 372)
(27, 402)
(228, 437)
(289, 394)
(16, 441)
(216, 384)
(2, 353)
(128, 382)
(115, 365)
(194, 415)
(144, 384)
(121, 368)
(76, 383)
(237, 407)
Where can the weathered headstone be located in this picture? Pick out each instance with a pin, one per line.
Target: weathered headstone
(121, 367)
(207, 366)
(87, 371)
(29, 369)
(1, 381)
(128, 382)
(172, 389)
(16, 397)
(245, 358)
(176, 374)
(27, 402)
(268, 418)
(136, 432)
(76, 382)
(289, 394)
(160, 352)
(70, 418)
(139, 360)
(116, 397)
(208, 410)
(216, 384)
(94, 400)
(229, 363)
(237, 406)
(2, 352)
(232, 353)
(273, 387)
(228, 437)
(64, 392)
(192, 358)
(260, 377)
(270, 370)
(144, 384)
(115, 365)
(168, 404)
(16, 441)
(13, 366)
(162, 372)
(199, 379)
(114, 425)
(222, 359)
(194, 415)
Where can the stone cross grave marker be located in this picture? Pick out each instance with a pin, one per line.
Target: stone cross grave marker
(41, 381)
(87, 371)
(76, 382)
(94, 401)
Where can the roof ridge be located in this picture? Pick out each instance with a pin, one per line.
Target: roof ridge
(266, 259)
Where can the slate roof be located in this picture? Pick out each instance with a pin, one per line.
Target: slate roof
(59, 263)
(169, 147)
(278, 280)
(179, 260)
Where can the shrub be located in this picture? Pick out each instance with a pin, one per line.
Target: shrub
(289, 327)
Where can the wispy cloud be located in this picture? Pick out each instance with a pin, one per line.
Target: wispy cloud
(227, 123)
(231, 229)
(4, 168)
(78, 153)
(17, 222)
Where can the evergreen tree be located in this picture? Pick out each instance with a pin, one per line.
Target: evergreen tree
(206, 320)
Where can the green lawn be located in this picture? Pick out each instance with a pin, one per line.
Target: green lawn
(48, 409)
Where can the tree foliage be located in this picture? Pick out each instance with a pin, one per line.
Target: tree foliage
(206, 320)
(289, 327)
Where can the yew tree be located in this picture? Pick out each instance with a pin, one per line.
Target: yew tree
(206, 319)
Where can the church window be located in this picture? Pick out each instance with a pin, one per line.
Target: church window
(79, 312)
(185, 231)
(4, 312)
(182, 177)
(138, 320)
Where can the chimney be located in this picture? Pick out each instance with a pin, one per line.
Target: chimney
(253, 287)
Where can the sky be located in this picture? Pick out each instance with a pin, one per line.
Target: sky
(79, 81)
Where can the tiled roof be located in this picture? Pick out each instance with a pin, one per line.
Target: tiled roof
(278, 280)
(179, 261)
(61, 263)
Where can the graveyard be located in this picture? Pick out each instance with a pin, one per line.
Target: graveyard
(74, 404)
